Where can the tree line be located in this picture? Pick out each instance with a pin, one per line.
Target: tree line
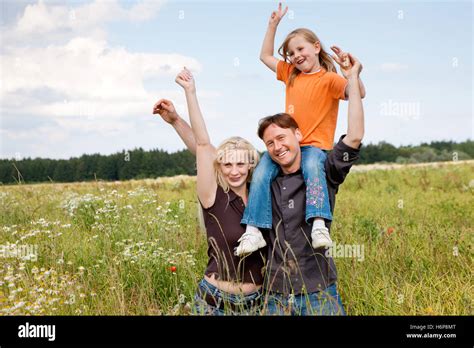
(140, 164)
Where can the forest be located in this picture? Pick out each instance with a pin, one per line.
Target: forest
(139, 163)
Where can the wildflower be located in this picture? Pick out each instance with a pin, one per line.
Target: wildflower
(19, 305)
(173, 269)
(390, 230)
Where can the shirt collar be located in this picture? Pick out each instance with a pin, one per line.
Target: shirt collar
(298, 172)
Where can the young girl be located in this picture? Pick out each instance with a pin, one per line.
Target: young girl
(313, 90)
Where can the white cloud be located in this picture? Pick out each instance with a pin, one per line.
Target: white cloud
(392, 67)
(93, 88)
(80, 86)
(88, 69)
(64, 22)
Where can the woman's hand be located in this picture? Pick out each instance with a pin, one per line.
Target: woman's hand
(166, 110)
(276, 16)
(186, 80)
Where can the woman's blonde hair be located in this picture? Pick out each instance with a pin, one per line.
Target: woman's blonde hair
(325, 59)
(225, 152)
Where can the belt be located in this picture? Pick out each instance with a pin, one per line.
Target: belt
(221, 304)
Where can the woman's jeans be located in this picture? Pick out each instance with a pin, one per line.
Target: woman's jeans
(223, 303)
(324, 302)
(258, 212)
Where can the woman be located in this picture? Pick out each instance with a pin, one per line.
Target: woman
(231, 284)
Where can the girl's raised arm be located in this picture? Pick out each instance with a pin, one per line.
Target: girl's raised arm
(166, 110)
(205, 152)
(266, 54)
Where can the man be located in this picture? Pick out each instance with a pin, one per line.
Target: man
(301, 280)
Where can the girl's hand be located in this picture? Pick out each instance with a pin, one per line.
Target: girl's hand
(342, 56)
(354, 69)
(345, 61)
(276, 16)
(166, 110)
(186, 80)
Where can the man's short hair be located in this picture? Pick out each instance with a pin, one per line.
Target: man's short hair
(282, 120)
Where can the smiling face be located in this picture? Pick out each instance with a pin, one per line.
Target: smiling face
(303, 54)
(235, 167)
(283, 147)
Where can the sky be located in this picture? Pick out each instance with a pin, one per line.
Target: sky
(82, 76)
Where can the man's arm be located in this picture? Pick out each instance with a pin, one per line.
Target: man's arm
(346, 152)
(355, 118)
(343, 60)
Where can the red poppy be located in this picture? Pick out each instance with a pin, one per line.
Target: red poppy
(173, 269)
(390, 230)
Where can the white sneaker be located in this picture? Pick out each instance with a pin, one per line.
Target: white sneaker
(320, 237)
(249, 242)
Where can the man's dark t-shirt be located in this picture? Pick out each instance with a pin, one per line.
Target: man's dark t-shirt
(293, 265)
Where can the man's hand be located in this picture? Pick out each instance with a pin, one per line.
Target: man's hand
(166, 110)
(342, 56)
(186, 80)
(343, 59)
(276, 16)
(355, 67)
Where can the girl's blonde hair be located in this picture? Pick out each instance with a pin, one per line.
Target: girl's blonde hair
(225, 152)
(325, 59)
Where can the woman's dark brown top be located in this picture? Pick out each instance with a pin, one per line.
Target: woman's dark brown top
(223, 229)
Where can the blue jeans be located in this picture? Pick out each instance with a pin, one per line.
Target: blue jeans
(258, 212)
(232, 304)
(324, 302)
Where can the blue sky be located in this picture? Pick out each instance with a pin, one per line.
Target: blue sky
(82, 76)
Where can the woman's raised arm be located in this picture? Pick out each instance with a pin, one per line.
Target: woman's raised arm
(205, 152)
(167, 111)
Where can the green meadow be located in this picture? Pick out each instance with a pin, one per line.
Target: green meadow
(136, 247)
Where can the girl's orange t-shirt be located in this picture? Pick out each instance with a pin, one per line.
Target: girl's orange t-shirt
(313, 101)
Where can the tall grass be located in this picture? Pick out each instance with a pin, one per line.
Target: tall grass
(135, 247)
